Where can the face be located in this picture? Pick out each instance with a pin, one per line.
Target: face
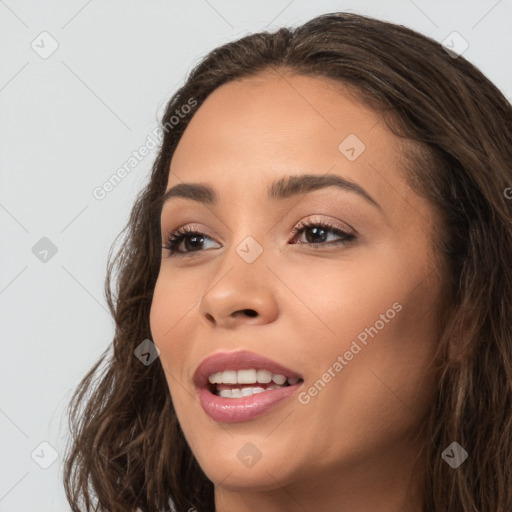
(348, 302)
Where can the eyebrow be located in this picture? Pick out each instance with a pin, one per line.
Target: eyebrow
(283, 188)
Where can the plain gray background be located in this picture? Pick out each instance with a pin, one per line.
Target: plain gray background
(68, 121)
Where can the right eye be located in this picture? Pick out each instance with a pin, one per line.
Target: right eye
(191, 240)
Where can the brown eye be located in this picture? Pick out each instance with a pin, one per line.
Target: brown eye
(317, 233)
(185, 241)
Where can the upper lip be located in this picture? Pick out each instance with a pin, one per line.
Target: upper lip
(239, 360)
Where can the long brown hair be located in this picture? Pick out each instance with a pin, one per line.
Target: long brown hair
(127, 449)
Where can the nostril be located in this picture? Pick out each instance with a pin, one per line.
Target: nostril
(250, 312)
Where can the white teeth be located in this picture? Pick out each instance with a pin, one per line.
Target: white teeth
(225, 393)
(250, 376)
(239, 393)
(229, 377)
(246, 376)
(293, 380)
(263, 376)
(278, 379)
(215, 378)
(251, 391)
(236, 393)
(242, 392)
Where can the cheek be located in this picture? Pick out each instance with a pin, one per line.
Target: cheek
(173, 299)
(172, 309)
(169, 309)
(335, 301)
(385, 381)
(380, 319)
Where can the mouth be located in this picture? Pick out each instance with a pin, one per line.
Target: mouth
(239, 386)
(247, 382)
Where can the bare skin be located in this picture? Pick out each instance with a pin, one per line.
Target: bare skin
(351, 446)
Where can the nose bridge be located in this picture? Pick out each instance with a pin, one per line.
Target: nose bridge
(241, 286)
(249, 246)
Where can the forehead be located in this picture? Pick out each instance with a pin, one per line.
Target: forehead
(250, 132)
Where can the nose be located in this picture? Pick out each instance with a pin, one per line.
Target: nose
(242, 294)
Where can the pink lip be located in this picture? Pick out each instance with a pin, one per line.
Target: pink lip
(240, 409)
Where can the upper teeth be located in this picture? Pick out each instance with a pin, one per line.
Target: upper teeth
(249, 377)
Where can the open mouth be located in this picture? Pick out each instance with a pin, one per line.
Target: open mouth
(242, 385)
(247, 382)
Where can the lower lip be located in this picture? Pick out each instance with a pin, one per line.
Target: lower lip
(232, 410)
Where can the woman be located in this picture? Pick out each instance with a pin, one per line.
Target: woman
(313, 307)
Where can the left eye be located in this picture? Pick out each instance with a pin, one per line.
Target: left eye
(318, 232)
(187, 240)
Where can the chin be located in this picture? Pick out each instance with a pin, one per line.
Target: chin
(234, 477)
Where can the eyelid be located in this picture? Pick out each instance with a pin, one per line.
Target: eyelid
(192, 226)
(331, 222)
(327, 220)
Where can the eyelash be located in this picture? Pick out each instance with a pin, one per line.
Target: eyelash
(176, 237)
